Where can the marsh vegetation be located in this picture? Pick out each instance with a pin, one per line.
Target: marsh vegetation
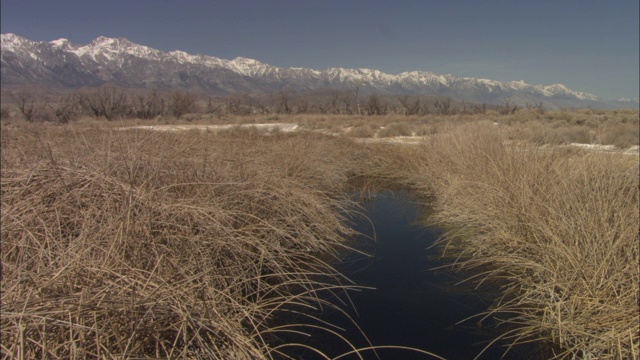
(137, 243)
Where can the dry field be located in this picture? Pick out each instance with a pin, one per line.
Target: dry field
(136, 243)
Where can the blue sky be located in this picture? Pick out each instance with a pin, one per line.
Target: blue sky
(587, 45)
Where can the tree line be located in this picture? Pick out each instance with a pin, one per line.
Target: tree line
(112, 103)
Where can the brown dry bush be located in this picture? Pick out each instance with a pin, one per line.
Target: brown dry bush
(362, 131)
(616, 127)
(139, 244)
(622, 135)
(556, 232)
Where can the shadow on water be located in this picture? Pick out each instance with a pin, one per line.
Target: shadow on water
(411, 306)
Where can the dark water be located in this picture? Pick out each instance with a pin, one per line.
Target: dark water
(411, 305)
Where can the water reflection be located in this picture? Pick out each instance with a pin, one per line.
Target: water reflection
(411, 305)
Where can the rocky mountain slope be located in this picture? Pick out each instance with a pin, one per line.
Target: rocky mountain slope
(61, 64)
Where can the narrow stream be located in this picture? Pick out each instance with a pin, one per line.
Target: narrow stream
(412, 305)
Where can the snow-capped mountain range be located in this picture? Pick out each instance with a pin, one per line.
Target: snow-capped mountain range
(61, 64)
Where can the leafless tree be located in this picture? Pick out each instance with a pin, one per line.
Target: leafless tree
(303, 106)
(346, 100)
(25, 100)
(150, 105)
(536, 107)
(375, 106)
(356, 91)
(261, 107)
(282, 107)
(508, 108)
(106, 101)
(182, 103)
(232, 104)
(67, 108)
(215, 106)
(239, 105)
(443, 107)
(334, 105)
(410, 107)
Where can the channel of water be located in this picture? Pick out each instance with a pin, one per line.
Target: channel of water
(411, 304)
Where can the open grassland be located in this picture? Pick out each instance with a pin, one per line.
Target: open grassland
(136, 243)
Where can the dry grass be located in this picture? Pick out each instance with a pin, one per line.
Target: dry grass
(622, 135)
(557, 232)
(188, 244)
(616, 127)
(396, 129)
(362, 131)
(129, 244)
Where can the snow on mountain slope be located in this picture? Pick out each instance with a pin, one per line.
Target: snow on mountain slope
(12, 42)
(121, 61)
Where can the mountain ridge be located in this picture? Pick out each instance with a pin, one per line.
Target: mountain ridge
(60, 63)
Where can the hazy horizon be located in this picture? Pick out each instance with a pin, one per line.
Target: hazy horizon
(589, 46)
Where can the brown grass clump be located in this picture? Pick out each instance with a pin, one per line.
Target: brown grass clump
(557, 232)
(362, 131)
(130, 244)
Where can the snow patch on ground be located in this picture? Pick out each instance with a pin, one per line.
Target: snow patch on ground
(595, 147)
(606, 148)
(406, 140)
(284, 127)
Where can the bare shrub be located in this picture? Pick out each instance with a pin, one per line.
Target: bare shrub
(561, 115)
(564, 135)
(623, 135)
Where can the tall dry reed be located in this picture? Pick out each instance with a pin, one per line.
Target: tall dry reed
(131, 244)
(556, 232)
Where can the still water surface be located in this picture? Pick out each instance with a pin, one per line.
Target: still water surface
(412, 305)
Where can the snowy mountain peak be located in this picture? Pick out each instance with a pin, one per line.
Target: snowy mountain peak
(556, 88)
(243, 60)
(61, 43)
(120, 61)
(561, 90)
(10, 42)
(109, 49)
(182, 57)
(9, 37)
(251, 67)
(106, 41)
